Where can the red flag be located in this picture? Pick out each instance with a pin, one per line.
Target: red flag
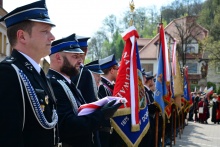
(125, 87)
(131, 122)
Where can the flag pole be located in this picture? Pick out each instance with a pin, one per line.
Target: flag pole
(174, 134)
(171, 128)
(156, 127)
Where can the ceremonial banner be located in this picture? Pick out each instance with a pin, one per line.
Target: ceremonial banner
(162, 95)
(187, 95)
(178, 85)
(131, 121)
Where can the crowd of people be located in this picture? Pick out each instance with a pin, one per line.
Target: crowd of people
(200, 111)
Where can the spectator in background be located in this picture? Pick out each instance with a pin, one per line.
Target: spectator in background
(214, 107)
(195, 106)
(191, 108)
(203, 109)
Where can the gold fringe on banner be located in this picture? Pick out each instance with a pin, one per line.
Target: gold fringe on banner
(178, 86)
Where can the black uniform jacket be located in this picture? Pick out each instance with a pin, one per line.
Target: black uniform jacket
(74, 130)
(11, 109)
(86, 85)
(150, 100)
(105, 89)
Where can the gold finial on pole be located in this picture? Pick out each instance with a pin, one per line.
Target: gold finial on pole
(132, 7)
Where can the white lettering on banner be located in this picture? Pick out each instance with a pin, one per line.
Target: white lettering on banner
(145, 116)
(124, 121)
(157, 92)
(119, 95)
(127, 75)
(125, 55)
(125, 87)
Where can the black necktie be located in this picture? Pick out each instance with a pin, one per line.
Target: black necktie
(48, 86)
(43, 75)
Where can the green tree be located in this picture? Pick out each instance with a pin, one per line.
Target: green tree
(187, 31)
(145, 21)
(96, 45)
(210, 19)
(180, 8)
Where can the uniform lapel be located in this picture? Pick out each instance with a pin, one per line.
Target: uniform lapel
(76, 94)
(26, 66)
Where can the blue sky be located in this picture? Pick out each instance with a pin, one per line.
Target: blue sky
(83, 17)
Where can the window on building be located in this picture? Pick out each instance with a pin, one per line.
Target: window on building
(190, 49)
(148, 67)
(192, 67)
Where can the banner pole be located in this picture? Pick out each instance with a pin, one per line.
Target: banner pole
(182, 121)
(179, 125)
(163, 131)
(156, 127)
(174, 110)
(171, 134)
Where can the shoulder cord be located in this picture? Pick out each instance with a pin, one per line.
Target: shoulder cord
(107, 90)
(148, 97)
(22, 93)
(32, 97)
(70, 96)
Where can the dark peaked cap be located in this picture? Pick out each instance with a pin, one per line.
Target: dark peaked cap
(149, 75)
(68, 44)
(82, 41)
(143, 72)
(108, 62)
(36, 11)
(94, 67)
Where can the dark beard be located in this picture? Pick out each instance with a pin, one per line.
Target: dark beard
(68, 69)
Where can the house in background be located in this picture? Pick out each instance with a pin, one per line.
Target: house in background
(149, 52)
(5, 48)
(149, 49)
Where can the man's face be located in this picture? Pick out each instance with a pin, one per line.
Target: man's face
(115, 72)
(152, 82)
(152, 87)
(40, 39)
(71, 64)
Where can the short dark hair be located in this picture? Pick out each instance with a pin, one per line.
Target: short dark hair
(12, 31)
(107, 70)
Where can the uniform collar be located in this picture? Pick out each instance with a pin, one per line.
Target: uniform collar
(35, 65)
(66, 78)
(147, 87)
(107, 80)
